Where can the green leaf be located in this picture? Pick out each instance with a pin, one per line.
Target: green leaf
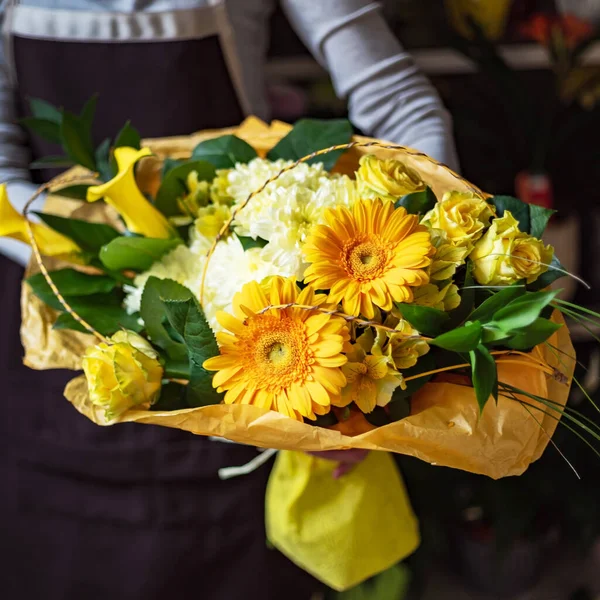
(187, 318)
(88, 112)
(90, 237)
(71, 283)
(492, 336)
(76, 191)
(170, 163)
(47, 130)
(248, 242)
(310, 135)
(174, 186)
(555, 271)
(539, 217)
(485, 375)
(518, 209)
(77, 140)
(531, 217)
(424, 319)
(107, 320)
(128, 136)
(461, 339)
(44, 110)
(467, 299)
(536, 333)
(486, 310)
(172, 397)
(399, 408)
(224, 152)
(522, 311)
(137, 253)
(418, 203)
(51, 162)
(103, 162)
(153, 313)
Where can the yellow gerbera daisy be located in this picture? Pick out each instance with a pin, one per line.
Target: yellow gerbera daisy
(288, 360)
(369, 257)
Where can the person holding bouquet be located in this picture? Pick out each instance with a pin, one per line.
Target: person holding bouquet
(139, 512)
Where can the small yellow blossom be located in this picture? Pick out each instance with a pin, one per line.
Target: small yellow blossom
(371, 379)
(446, 298)
(505, 254)
(211, 219)
(219, 188)
(386, 179)
(402, 348)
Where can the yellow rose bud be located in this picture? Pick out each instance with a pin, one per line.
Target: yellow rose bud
(386, 179)
(198, 195)
(462, 216)
(219, 187)
(122, 375)
(505, 254)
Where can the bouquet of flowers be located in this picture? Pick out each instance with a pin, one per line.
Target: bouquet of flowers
(298, 288)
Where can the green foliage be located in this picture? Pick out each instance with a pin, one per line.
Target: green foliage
(77, 191)
(70, 283)
(175, 322)
(224, 152)
(172, 397)
(128, 136)
(522, 311)
(107, 320)
(51, 162)
(418, 203)
(76, 138)
(310, 135)
(46, 129)
(153, 314)
(486, 310)
(136, 253)
(461, 339)
(248, 242)
(484, 375)
(531, 217)
(426, 320)
(90, 237)
(187, 319)
(174, 186)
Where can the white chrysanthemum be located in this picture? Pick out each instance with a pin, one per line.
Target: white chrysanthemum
(229, 269)
(285, 211)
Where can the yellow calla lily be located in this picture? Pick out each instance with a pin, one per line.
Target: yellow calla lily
(14, 225)
(123, 194)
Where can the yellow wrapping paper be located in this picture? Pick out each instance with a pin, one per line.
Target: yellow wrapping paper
(444, 427)
(341, 531)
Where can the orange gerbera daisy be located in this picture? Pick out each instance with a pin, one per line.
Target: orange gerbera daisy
(288, 360)
(369, 257)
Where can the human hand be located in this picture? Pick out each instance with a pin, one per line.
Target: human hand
(346, 459)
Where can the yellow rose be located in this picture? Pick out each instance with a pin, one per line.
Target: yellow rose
(505, 254)
(219, 187)
(124, 374)
(462, 216)
(386, 179)
(447, 257)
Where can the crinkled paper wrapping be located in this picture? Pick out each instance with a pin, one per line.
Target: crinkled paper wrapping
(444, 427)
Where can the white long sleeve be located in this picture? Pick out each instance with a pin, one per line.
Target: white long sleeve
(388, 96)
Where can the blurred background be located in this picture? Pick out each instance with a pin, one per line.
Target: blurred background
(521, 79)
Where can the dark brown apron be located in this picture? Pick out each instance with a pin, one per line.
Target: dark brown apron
(130, 511)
